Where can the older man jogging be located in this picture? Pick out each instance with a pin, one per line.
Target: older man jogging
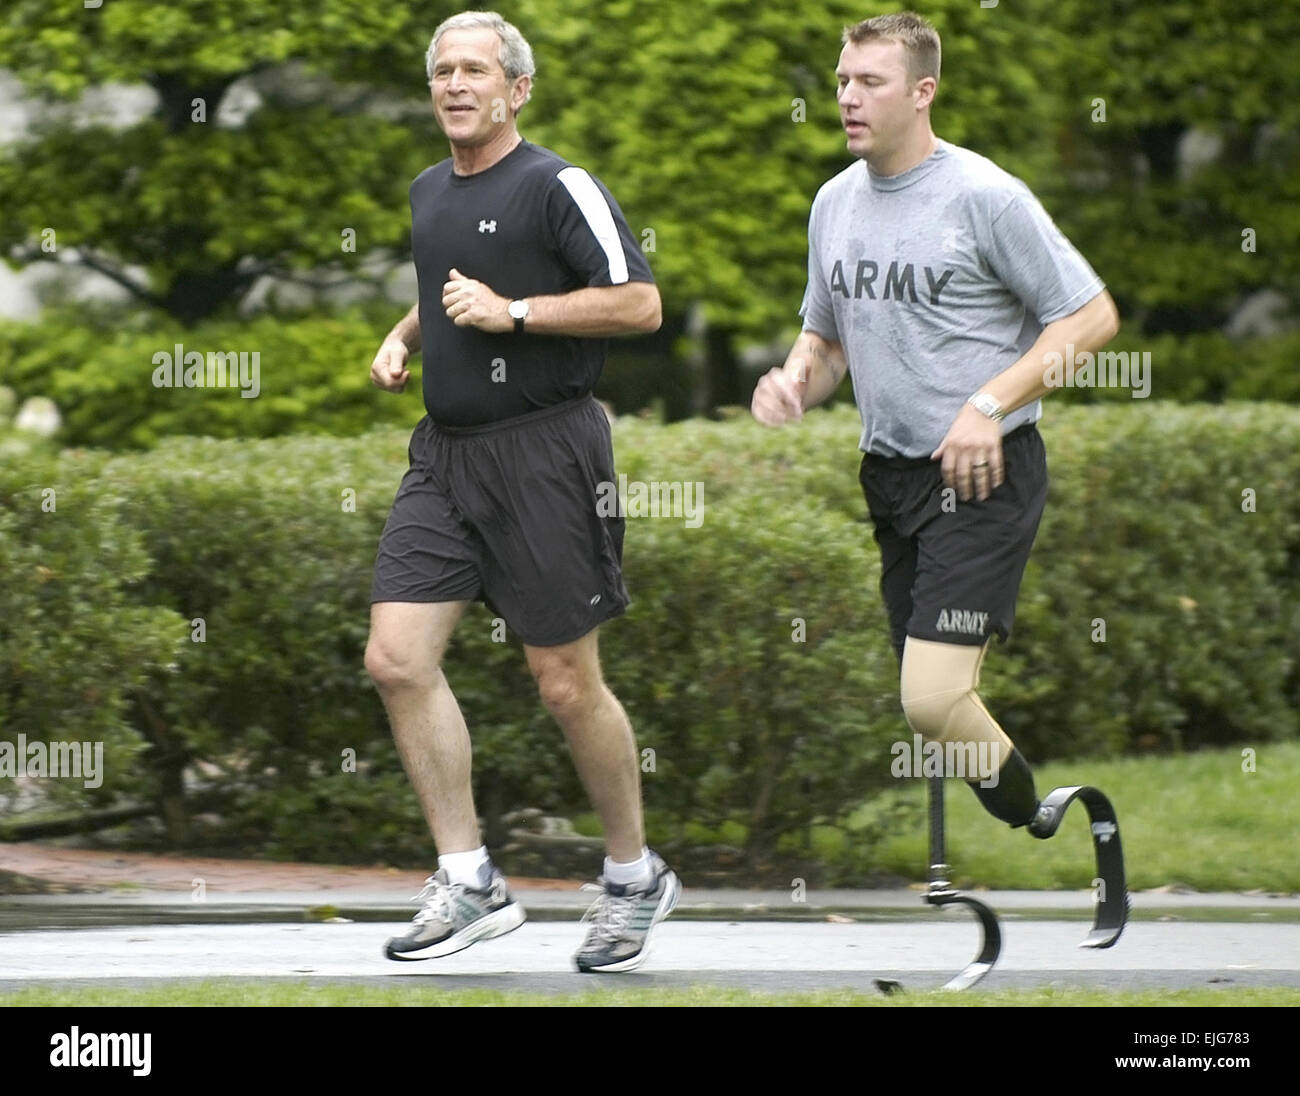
(525, 265)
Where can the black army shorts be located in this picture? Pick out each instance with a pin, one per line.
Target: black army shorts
(950, 571)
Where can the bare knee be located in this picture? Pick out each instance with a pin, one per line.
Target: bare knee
(407, 641)
(565, 690)
(397, 665)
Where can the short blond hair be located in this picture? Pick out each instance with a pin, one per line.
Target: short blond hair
(918, 37)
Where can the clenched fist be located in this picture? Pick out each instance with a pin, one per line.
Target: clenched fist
(388, 370)
(778, 397)
(470, 303)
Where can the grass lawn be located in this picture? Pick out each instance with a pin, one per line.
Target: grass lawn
(1195, 819)
(235, 992)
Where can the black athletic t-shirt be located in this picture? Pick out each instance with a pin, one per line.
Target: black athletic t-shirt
(531, 225)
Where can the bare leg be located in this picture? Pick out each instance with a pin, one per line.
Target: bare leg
(404, 657)
(599, 736)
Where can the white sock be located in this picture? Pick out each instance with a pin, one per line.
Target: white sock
(636, 871)
(469, 869)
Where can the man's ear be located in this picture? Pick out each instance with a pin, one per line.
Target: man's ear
(925, 89)
(519, 93)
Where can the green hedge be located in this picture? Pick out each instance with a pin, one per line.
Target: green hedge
(314, 374)
(1206, 367)
(758, 740)
(1146, 531)
(76, 638)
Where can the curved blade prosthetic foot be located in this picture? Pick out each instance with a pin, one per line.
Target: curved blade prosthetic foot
(942, 893)
(1111, 890)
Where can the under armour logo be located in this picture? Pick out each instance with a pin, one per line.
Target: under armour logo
(487, 226)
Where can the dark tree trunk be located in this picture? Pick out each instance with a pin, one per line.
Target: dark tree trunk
(725, 385)
(167, 758)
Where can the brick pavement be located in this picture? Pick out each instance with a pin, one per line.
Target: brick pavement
(91, 869)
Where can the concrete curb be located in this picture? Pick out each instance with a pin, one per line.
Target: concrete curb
(119, 905)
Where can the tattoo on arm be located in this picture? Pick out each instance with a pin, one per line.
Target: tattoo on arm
(835, 364)
(833, 367)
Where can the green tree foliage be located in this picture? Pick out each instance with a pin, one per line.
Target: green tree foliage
(715, 122)
(689, 111)
(1140, 79)
(202, 209)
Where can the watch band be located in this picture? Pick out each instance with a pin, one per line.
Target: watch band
(518, 314)
(987, 405)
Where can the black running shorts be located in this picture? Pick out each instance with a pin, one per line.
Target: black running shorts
(950, 571)
(506, 513)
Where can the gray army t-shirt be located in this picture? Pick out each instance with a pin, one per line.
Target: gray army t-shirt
(935, 281)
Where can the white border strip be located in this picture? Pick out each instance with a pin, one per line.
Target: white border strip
(592, 205)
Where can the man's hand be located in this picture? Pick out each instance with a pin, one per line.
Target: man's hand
(470, 303)
(388, 370)
(778, 397)
(971, 452)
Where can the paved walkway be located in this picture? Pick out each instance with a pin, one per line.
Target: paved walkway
(86, 879)
(759, 955)
(133, 919)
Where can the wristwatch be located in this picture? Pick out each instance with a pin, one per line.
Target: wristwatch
(518, 312)
(985, 404)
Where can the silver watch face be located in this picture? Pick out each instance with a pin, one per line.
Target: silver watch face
(986, 405)
(518, 310)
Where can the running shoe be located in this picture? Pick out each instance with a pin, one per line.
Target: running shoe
(621, 920)
(455, 916)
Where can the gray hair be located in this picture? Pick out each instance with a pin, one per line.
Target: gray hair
(515, 55)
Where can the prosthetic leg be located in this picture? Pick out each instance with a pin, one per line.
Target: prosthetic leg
(938, 684)
(1112, 891)
(942, 893)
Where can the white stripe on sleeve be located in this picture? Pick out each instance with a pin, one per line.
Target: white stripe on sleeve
(591, 203)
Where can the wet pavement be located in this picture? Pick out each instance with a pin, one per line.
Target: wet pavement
(167, 918)
(757, 954)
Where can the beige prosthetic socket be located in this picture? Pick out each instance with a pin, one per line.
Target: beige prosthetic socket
(937, 686)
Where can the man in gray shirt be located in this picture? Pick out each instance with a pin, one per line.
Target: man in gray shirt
(938, 281)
